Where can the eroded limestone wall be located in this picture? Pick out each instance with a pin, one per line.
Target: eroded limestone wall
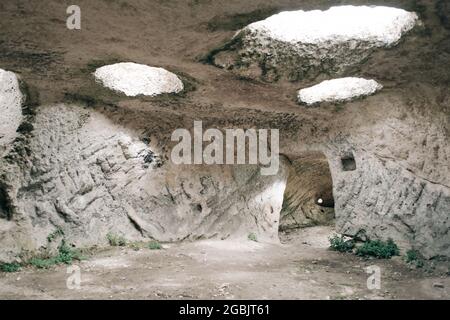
(384, 198)
(84, 174)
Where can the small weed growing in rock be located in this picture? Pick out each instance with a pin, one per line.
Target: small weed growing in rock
(338, 243)
(66, 255)
(42, 263)
(136, 246)
(252, 237)
(378, 249)
(115, 240)
(154, 245)
(10, 267)
(415, 258)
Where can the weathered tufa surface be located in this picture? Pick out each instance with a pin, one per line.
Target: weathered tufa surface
(338, 90)
(10, 108)
(395, 190)
(399, 138)
(390, 172)
(301, 44)
(88, 176)
(135, 79)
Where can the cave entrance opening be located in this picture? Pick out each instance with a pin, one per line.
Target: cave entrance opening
(308, 199)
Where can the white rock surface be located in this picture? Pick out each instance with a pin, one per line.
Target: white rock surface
(338, 90)
(382, 26)
(135, 79)
(303, 44)
(10, 107)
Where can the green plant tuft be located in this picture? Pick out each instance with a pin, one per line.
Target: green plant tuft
(66, 255)
(116, 240)
(252, 237)
(42, 263)
(338, 243)
(154, 245)
(378, 249)
(415, 258)
(10, 267)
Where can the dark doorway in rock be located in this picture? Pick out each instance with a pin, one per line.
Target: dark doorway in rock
(348, 162)
(308, 198)
(4, 205)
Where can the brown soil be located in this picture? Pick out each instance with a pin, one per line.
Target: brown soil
(176, 34)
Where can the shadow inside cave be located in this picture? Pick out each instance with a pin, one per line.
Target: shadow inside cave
(308, 198)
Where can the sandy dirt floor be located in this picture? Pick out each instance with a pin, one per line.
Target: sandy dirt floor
(302, 267)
